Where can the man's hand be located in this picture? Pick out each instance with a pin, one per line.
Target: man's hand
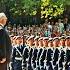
(3, 60)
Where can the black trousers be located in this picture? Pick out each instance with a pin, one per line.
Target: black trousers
(3, 66)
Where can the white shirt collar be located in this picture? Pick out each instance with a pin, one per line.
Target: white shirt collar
(2, 25)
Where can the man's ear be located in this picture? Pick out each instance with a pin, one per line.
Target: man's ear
(1, 20)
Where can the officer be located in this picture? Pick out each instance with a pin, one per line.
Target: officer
(35, 51)
(67, 44)
(17, 54)
(50, 54)
(56, 52)
(40, 49)
(44, 52)
(62, 52)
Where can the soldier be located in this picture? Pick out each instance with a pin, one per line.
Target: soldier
(62, 52)
(67, 44)
(11, 37)
(44, 52)
(56, 53)
(50, 54)
(17, 54)
(35, 51)
(31, 45)
(62, 42)
(40, 49)
(27, 54)
(13, 44)
(14, 41)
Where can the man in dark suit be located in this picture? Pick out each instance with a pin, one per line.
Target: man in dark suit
(5, 44)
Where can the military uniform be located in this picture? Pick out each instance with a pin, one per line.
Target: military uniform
(34, 58)
(17, 57)
(55, 58)
(56, 53)
(67, 53)
(50, 56)
(35, 51)
(68, 59)
(38, 57)
(25, 57)
(30, 59)
(42, 58)
(62, 56)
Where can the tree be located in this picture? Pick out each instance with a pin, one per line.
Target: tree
(24, 7)
(52, 8)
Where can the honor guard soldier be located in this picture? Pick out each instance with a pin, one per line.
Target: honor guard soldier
(13, 44)
(56, 53)
(62, 52)
(25, 55)
(67, 44)
(40, 49)
(35, 51)
(31, 45)
(17, 54)
(50, 54)
(11, 37)
(43, 55)
(14, 41)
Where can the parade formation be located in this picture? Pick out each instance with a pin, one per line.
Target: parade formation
(40, 53)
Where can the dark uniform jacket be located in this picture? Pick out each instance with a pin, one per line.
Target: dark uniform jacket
(43, 55)
(5, 45)
(56, 56)
(34, 54)
(68, 55)
(49, 54)
(17, 52)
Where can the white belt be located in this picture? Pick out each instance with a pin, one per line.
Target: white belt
(18, 58)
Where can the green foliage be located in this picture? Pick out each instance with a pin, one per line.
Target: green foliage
(24, 7)
(52, 8)
(30, 7)
(66, 2)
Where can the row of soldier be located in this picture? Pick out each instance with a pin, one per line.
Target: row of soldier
(40, 53)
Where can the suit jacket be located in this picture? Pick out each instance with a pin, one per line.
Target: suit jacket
(5, 45)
